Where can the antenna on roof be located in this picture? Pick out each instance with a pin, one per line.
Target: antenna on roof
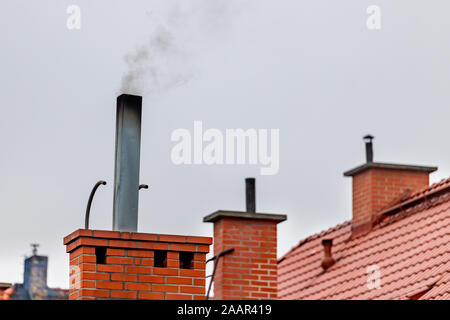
(34, 246)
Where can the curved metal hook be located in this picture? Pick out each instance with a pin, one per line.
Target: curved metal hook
(216, 260)
(143, 186)
(88, 208)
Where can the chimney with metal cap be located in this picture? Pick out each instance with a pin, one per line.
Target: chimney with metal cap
(376, 185)
(249, 271)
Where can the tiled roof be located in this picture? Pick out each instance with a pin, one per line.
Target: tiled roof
(410, 247)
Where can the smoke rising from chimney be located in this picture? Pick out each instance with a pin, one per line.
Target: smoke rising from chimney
(156, 66)
(164, 61)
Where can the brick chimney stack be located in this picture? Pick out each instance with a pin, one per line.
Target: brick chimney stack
(112, 265)
(378, 185)
(250, 271)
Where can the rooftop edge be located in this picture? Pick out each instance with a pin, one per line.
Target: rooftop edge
(243, 214)
(136, 236)
(380, 165)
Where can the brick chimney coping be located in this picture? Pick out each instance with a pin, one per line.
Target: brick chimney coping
(136, 240)
(379, 165)
(244, 215)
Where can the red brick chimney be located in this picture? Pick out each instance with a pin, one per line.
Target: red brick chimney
(250, 271)
(377, 186)
(123, 265)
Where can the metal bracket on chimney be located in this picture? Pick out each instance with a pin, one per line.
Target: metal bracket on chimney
(216, 261)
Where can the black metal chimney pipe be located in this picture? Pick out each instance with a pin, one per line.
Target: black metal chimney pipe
(250, 196)
(369, 147)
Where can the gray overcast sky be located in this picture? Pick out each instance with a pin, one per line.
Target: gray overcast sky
(310, 68)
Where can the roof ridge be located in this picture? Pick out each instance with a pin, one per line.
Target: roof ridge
(417, 202)
(429, 188)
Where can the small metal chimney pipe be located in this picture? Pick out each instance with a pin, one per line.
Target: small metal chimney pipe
(369, 148)
(328, 260)
(250, 196)
(127, 162)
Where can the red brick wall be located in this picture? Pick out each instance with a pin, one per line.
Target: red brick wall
(129, 272)
(250, 272)
(376, 188)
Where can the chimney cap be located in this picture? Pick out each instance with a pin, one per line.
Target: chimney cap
(395, 166)
(368, 137)
(244, 215)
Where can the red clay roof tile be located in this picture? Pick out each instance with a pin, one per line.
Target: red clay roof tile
(410, 248)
